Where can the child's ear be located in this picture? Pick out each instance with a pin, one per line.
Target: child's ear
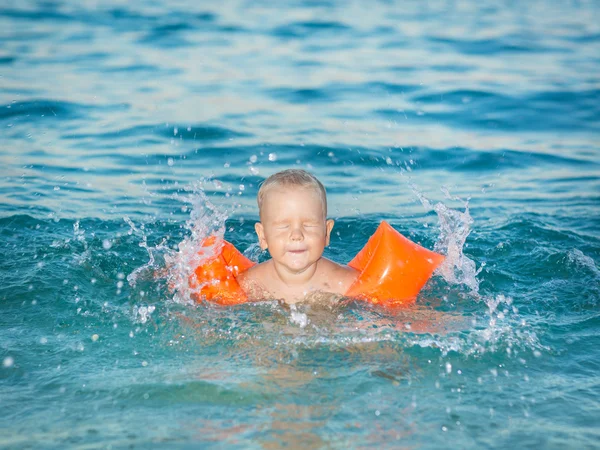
(260, 232)
(329, 227)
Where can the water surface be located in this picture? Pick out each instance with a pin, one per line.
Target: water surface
(128, 130)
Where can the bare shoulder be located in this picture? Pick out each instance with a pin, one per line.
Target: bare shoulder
(254, 280)
(339, 277)
(254, 273)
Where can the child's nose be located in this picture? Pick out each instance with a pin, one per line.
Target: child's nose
(296, 234)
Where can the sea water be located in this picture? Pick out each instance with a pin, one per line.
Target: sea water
(131, 130)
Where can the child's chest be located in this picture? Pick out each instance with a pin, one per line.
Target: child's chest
(314, 291)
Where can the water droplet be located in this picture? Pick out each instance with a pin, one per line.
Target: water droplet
(253, 159)
(95, 337)
(272, 156)
(8, 361)
(106, 244)
(170, 162)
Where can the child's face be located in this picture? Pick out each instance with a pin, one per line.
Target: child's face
(293, 227)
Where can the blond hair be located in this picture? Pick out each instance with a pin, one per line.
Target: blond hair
(292, 177)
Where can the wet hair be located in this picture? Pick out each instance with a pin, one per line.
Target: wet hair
(292, 178)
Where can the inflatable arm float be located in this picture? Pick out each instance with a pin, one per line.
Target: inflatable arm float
(392, 271)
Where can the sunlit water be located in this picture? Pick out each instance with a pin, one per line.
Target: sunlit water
(131, 130)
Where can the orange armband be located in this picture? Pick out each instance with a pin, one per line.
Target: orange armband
(215, 279)
(393, 269)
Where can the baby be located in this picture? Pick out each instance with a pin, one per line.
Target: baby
(294, 228)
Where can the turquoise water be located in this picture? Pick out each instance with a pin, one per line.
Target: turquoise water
(128, 131)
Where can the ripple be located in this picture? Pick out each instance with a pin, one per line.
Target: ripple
(53, 109)
(301, 95)
(41, 14)
(309, 29)
(496, 46)
(539, 111)
(6, 60)
(188, 133)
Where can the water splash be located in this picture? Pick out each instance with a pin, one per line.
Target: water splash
(176, 266)
(142, 313)
(297, 317)
(455, 227)
(79, 236)
(254, 252)
(151, 266)
(502, 327)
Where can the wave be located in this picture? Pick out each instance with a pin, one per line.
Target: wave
(44, 108)
(168, 131)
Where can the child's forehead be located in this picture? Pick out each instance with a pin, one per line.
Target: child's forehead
(287, 189)
(280, 199)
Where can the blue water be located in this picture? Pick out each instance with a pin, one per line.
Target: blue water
(130, 129)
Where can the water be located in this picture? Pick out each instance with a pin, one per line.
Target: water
(472, 127)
